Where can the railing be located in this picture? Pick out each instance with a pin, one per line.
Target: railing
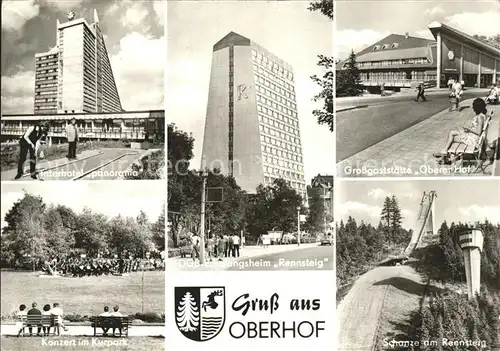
(83, 134)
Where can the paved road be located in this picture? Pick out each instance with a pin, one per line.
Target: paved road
(361, 128)
(360, 311)
(312, 258)
(101, 164)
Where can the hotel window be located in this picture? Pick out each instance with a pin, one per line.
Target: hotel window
(254, 53)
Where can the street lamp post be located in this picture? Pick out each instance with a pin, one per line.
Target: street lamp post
(202, 221)
(298, 225)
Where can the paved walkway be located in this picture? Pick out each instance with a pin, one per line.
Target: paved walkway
(87, 330)
(409, 153)
(177, 263)
(100, 164)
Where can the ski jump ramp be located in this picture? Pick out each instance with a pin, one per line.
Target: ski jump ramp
(425, 232)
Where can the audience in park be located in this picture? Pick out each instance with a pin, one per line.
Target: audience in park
(57, 312)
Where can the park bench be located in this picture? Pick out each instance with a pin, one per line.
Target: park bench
(36, 321)
(122, 323)
(464, 155)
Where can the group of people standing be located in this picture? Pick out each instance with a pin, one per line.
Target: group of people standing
(217, 247)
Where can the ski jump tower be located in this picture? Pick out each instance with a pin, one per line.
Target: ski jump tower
(425, 232)
(471, 242)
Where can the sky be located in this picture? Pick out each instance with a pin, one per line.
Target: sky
(108, 197)
(454, 203)
(133, 33)
(285, 28)
(362, 23)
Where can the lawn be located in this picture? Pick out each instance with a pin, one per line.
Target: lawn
(84, 296)
(82, 343)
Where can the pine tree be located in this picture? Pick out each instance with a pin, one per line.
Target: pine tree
(396, 217)
(353, 77)
(188, 316)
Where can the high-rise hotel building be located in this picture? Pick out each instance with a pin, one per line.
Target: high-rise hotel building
(76, 75)
(252, 127)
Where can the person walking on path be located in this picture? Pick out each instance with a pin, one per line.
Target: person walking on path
(72, 136)
(421, 92)
(29, 143)
(455, 95)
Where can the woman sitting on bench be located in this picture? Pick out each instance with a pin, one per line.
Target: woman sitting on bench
(469, 133)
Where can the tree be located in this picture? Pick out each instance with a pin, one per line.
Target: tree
(23, 239)
(58, 238)
(391, 219)
(188, 316)
(158, 231)
(348, 81)
(324, 6)
(92, 234)
(325, 114)
(181, 182)
(494, 40)
(316, 216)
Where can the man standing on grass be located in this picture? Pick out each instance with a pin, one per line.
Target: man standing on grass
(72, 136)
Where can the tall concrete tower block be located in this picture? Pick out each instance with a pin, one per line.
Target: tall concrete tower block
(425, 232)
(471, 242)
(252, 127)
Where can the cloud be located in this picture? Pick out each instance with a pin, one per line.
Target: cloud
(475, 213)
(64, 5)
(436, 10)
(139, 71)
(16, 13)
(111, 10)
(379, 194)
(359, 211)
(17, 92)
(134, 15)
(480, 23)
(349, 39)
(159, 7)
